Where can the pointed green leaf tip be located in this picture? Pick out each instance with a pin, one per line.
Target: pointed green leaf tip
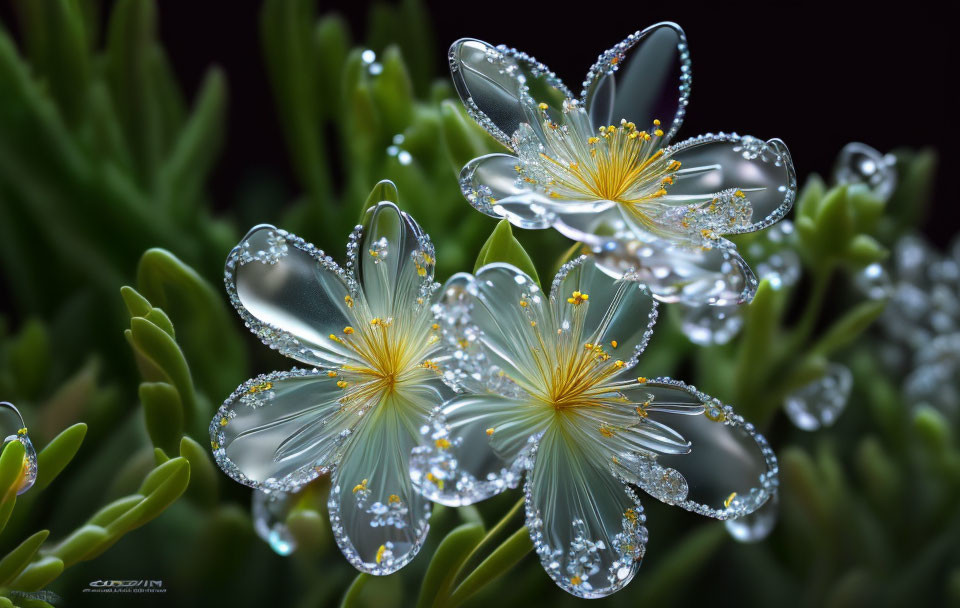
(450, 555)
(502, 246)
(385, 190)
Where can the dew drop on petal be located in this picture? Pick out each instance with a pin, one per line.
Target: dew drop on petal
(755, 526)
(781, 268)
(860, 164)
(12, 428)
(707, 325)
(821, 402)
(269, 511)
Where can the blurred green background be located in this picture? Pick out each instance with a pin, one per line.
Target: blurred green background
(108, 180)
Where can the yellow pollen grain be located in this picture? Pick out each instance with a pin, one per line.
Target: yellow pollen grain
(360, 486)
(523, 304)
(435, 327)
(533, 323)
(614, 343)
(380, 552)
(442, 443)
(259, 388)
(543, 106)
(435, 480)
(658, 133)
(215, 445)
(490, 431)
(641, 380)
(606, 431)
(332, 374)
(393, 499)
(342, 383)
(739, 194)
(631, 515)
(224, 421)
(575, 580)
(348, 301)
(348, 330)
(577, 298)
(729, 500)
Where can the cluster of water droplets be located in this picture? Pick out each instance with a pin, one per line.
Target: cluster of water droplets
(820, 403)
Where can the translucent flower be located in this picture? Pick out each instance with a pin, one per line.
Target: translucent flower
(373, 352)
(602, 168)
(563, 405)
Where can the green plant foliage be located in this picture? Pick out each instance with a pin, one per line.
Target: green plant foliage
(104, 170)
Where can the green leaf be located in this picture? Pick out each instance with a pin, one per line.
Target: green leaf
(368, 591)
(38, 575)
(29, 358)
(446, 561)
(848, 327)
(83, 541)
(933, 428)
(332, 41)
(502, 559)
(502, 246)
(201, 316)
(163, 414)
(11, 466)
(864, 250)
(57, 454)
(679, 565)
(350, 598)
(18, 559)
(137, 305)
(196, 149)
(834, 222)
(808, 201)
(393, 91)
(459, 135)
(759, 333)
(204, 475)
(385, 190)
(159, 348)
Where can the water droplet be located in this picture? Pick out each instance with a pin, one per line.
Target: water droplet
(821, 402)
(368, 56)
(755, 526)
(706, 325)
(860, 164)
(874, 282)
(781, 268)
(269, 520)
(12, 428)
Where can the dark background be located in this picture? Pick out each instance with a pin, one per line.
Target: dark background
(817, 75)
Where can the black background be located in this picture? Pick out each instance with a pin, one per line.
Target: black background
(816, 75)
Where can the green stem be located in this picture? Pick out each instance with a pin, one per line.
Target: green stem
(811, 312)
(493, 533)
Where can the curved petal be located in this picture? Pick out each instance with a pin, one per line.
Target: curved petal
(586, 525)
(378, 520)
(290, 294)
(713, 165)
(280, 431)
(681, 273)
(466, 362)
(393, 260)
(729, 471)
(476, 447)
(619, 314)
(508, 306)
(653, 81)
(495, 82)
(487, 180)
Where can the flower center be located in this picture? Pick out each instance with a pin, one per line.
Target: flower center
(617, 163)
(392, 353)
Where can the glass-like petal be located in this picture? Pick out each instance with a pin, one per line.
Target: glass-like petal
(493, 83)
(12, 428)
(620, 314)
(646, 76)
(713, 165)
(475, 448)
(378, 520)
(290, 294)
(681, 273)
(280, 431)
(506, 302)
(729, 471)
(586, 525)
(393, 261)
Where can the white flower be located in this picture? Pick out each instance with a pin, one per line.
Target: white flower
(555, 397)
(602, 169)
(374, 352)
